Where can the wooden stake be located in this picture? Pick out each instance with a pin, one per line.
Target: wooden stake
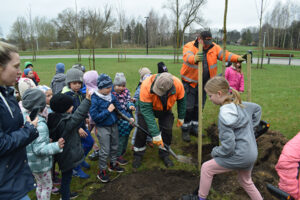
(249, 77)
(200, 94)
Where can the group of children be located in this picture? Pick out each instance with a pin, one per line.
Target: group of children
(73, 101)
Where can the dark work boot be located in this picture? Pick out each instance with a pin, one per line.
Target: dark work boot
(137, 161)
(194, 129)
(167, 161)
(185, 133)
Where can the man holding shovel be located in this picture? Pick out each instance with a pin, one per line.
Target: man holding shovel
(158, 94)
(189, 75)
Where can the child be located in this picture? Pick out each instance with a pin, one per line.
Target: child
(287, 167)
(123, 96)
(235, 77)
(30, 66)
(161, 67)
(90, 80)
(238, 150)
(59, 79)
(74, 80)
(101, 111)
(40, 151)
(29, 74)
(62, 123)
(144, 73)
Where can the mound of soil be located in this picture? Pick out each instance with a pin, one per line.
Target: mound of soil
(156, 184)
(161, 184)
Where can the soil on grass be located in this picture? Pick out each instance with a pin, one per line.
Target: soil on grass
(159, 184)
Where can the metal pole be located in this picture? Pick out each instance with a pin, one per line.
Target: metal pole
(111, 40)
(147, 34)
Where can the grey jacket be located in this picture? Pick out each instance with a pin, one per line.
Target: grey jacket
(58, 83)
(238, 149)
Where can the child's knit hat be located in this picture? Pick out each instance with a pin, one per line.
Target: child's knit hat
(33, 98)
(27, 70)
(60, 68)
(104, 81)
(24, 84)
(90, 80)
(28, 64)
(163, 83)
(74, 75)
(120, 79)
(162, 67)
(60, 103)
(143, 71)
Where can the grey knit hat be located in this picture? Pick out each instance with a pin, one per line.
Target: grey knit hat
(120, 79)
(33, 98)
(144, 71)
(104, 81)
(163, 83)
(74, 75)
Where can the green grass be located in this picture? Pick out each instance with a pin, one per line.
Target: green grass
(157, 51)
(276, 88)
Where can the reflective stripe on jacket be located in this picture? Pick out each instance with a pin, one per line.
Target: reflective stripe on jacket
(189, 69)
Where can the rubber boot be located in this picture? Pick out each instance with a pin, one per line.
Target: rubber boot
(194, 129)
(185, 133)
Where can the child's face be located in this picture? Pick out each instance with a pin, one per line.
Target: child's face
(49, 95)
(30, 74)
(75, 86)
(119, 88)
(216, 98)
(105, 91)
(238, 67)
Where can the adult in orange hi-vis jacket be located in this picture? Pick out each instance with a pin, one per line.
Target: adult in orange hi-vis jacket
(189, 75)
(158, 94)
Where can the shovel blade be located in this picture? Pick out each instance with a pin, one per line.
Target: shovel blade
(185, 159)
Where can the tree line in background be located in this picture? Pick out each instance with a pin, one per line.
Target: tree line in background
(98, 28)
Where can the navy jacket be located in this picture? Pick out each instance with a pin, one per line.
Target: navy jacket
(100, 114)
(16, 179)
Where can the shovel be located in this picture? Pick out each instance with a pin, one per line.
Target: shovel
(179, 158)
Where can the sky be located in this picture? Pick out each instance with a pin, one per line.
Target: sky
(240, 14)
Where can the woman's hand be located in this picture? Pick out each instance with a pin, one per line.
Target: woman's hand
(34, 122)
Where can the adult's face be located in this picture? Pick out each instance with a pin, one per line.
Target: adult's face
(11, 72)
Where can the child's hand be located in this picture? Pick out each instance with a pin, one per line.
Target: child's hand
(133, 100)
(34, 122)
(61, 143)
(111, 107)
(132, 108)
(131, 121)
(88, 94)
(82, 133)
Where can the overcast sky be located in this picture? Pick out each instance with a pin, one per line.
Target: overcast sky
(241, 13)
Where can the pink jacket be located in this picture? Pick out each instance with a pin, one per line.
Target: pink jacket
(287, 167)
(235, 79)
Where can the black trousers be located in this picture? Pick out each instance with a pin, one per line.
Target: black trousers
(165, 121)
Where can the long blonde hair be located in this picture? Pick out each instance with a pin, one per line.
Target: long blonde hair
(5, 50)
(219, 83)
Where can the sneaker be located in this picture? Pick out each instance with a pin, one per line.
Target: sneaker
(122, 161)
(115, 168)
(103, 176)
(167, 161)
(85, 165)
(137, 161)
(56, 181)
(54, 190)
(94, 156)
(79, 173)
(73, 195)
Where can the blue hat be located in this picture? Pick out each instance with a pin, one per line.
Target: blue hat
(104, 81)
(27, 70)
(60, 68)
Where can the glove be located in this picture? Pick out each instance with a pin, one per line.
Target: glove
(179, 122)
(157, 140)
(240, 59)
(198, 57)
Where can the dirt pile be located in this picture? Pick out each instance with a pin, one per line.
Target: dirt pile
(169, 184)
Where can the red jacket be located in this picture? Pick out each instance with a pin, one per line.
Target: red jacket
(36, 77)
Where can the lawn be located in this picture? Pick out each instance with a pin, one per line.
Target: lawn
(276, 88)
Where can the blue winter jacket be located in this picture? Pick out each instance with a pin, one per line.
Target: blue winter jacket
(100, 114)
(16, 179)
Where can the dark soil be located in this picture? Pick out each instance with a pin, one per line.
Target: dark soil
(161, 184)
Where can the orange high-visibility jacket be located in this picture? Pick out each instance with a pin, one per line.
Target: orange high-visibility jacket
(189, 69)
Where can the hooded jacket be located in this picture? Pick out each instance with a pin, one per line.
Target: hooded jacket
(16, 179)
(238, 149)
(66, 125)
(58, 83)
(235, 79)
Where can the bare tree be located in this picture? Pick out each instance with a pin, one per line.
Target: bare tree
(224, 38)
(19, 32)
(32, 33)
(45, 31)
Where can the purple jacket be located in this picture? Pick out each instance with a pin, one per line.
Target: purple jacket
(235, 79)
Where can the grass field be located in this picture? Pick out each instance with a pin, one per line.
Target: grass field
(156, 51)
(276, 88)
